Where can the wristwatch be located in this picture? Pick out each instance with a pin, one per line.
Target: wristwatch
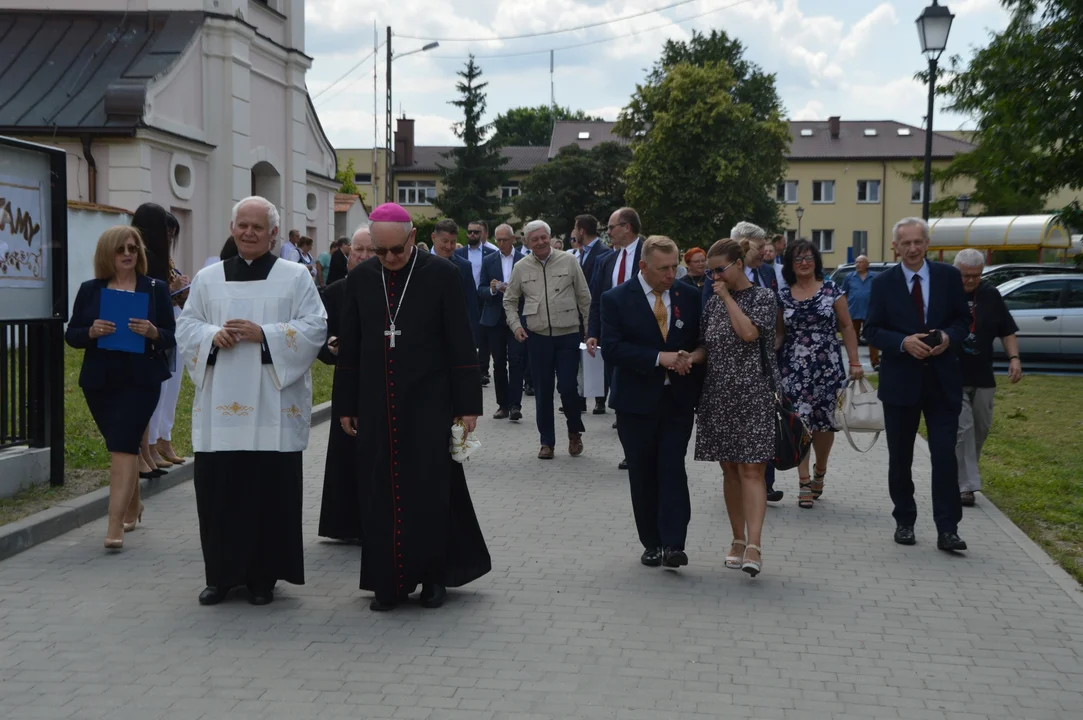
(1012, 357)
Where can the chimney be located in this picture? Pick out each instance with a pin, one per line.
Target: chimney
(834, 124)
(404, 142)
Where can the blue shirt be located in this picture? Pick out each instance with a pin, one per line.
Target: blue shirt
(857, 293)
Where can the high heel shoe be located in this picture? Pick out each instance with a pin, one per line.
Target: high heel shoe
(129, 526)
(114, 544)
(818, 479)
(733, 562)
(753, 567)
(167, 453)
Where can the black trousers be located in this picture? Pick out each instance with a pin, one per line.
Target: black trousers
(655, 447)
(483, 350)
(508, 354)
(901, 428)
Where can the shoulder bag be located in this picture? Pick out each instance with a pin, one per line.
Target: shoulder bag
(859, 411)
(793, 440)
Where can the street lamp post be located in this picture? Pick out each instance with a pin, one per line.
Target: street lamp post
(934, 25)
(388, 183)
(800, 212)
(963, 203)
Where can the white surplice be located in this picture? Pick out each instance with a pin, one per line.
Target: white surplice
(240, 403)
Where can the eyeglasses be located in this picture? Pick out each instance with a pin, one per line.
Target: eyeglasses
(719, 272)
(611, 228)
(396, 250)
(804, 259)
(128, 250)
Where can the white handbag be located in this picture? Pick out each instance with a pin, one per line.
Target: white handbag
(859, 411)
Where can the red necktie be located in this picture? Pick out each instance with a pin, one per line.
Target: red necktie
(620, 273)
(919, 301)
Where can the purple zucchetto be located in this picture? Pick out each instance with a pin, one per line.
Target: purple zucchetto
(390, 212)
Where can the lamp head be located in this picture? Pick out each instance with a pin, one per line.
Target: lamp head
(934, 25)
(800, 212)
(963, 203)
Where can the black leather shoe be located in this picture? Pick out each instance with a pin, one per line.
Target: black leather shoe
(623, 464)
(485, 380)
(516, 413)
(904, 535)
(674, 558)
(500, 414)
(951, 542)
(967, 498)
(614, 424)
(433, 596)
(599, 408)
(775, 495)
(652, 557)
(211, 596)
(378, 605)
(528, 390)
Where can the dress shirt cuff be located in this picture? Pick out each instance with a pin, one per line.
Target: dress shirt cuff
(658, 360)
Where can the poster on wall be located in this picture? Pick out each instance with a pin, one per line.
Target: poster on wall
(23, 255)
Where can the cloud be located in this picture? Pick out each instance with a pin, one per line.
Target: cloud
(813, 110)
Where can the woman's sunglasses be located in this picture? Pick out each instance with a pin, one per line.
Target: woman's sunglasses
(128, 250)
(720, 271)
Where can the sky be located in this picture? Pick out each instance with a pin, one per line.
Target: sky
(853, 58)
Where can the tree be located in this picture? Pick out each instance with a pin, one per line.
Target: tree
(345, 176)
(708, 141)
(532, 125)
(575, 182)
(473, 178)
(1023, 90)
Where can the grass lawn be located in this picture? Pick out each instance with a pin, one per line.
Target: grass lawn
(1032, 463)
(86, 459)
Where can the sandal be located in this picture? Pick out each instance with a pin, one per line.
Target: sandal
(733, 562)
(753, 567)
(805, 497)
(818, 483)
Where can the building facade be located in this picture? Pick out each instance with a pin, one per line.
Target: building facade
(191, 104)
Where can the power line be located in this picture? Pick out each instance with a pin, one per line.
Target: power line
(347, 73)
(553, 32)
(598, 42)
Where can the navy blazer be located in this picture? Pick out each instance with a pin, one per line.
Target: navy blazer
(473, 309)
(148, 369)
(492, 306)
(603, 282)
(892, 317)
(463, 251)
(631, 342)
(589, 262)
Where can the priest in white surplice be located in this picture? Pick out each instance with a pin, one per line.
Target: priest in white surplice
(251, 329)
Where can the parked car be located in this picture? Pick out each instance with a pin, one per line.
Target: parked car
(846, 269)
(997, 275)
(1049, 312)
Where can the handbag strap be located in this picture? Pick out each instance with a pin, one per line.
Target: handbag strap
(850, 438)
(765, 366)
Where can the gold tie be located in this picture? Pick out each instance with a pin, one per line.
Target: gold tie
(660, 314)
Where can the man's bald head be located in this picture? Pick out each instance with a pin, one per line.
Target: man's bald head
(360, 248)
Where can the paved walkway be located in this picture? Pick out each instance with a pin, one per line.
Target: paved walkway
(842, 624)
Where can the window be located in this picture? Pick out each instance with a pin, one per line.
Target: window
(1035, 296)
(823, 191)
(868, 191)
(791, 236)
(824, 240)
(786, 192)
(861, 242)
(416, 192)
(917, 188)
(1075, 294)
(363, 178)
(509, 191)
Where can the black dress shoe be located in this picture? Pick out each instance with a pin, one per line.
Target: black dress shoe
(516, 413)
(775, 495)
(674, 558)
(652, 557)
(261, 596)
(614, 424)
(904, 535)
(967, 498)
(950, 542)
(623, 464)
(433, 596)
(485, 380)
(500, 414)
(211, 596)
(528, 390)
(599, 408)
(379, 605)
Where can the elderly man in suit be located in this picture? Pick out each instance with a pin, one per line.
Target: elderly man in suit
(649, 326)
(918, 317)
(508, 353)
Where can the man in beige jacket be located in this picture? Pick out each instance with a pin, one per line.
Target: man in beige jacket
(548, 290)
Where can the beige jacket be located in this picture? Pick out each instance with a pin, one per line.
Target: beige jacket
(555, 295)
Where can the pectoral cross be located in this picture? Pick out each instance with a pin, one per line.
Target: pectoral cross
(391, 333)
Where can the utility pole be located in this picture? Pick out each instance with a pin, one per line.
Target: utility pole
(375, 121)
(388, 182)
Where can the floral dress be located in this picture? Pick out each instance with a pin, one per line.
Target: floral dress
(811, 360)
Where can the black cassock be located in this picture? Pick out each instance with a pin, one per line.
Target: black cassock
(249, 503)
(417, 522)
(340, 511)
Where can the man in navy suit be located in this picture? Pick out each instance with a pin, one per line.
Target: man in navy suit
(445, 240)
(646, 324)
(508, 353)
(592, 251)
(918, 317)
(476, 250)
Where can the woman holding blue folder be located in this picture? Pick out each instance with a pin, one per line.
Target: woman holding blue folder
(124, 362)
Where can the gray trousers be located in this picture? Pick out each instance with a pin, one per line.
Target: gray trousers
(974, 423)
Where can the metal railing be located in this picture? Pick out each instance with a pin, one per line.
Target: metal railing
(31, 387)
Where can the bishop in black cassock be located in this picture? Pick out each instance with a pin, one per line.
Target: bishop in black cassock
(407, 369)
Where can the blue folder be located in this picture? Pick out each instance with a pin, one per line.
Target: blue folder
(118, 307)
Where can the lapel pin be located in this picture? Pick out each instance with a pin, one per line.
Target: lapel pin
(679, 324)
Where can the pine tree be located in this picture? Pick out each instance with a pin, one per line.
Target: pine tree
(475, 171)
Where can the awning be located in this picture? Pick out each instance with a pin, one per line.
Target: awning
(1015, 232)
